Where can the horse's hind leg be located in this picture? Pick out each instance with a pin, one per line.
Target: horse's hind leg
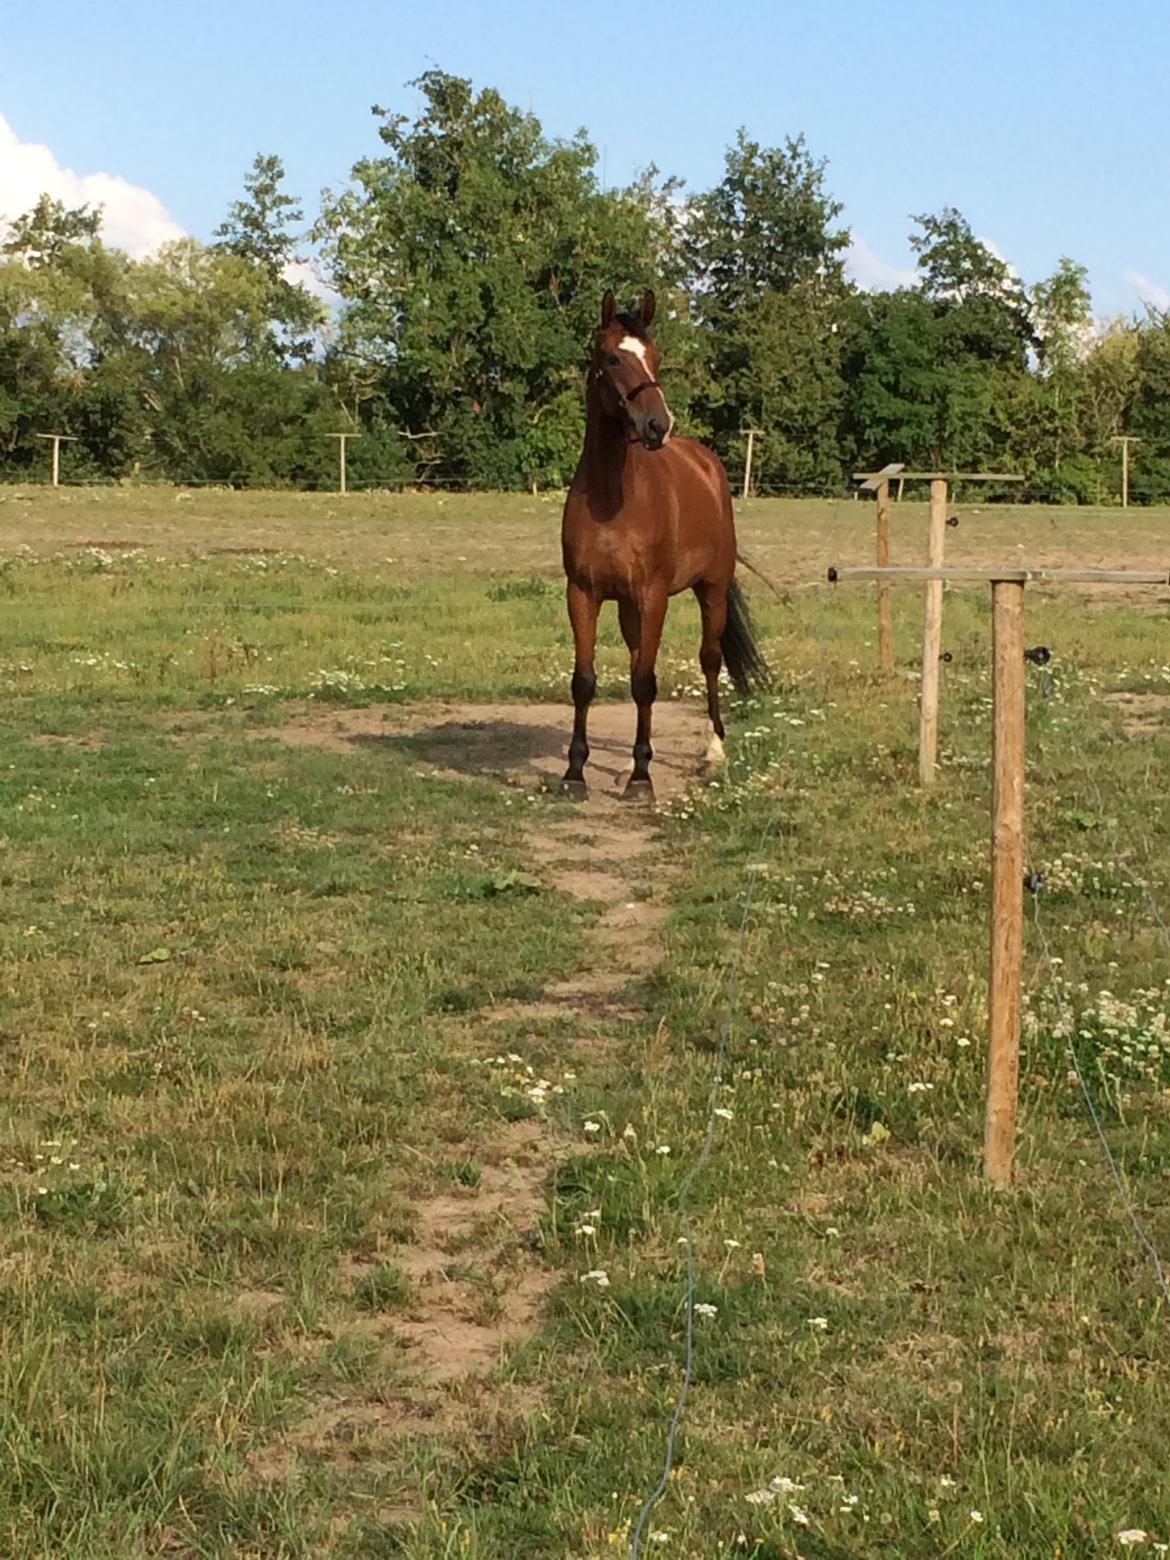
(651, 615)
(713, 610)
(583, 616)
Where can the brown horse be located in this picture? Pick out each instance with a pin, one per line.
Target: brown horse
(647, 515)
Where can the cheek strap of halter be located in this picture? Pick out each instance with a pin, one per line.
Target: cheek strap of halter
(647, 384)
(631, 395)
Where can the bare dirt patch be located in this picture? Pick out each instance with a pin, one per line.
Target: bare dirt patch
(82, 742)
(477, 1285)
(256, 1304)
(523, 743)
(473, 1245)
(1141, 713)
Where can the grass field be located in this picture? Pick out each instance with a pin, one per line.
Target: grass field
(345, 1116)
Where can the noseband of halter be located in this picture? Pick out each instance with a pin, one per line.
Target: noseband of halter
(630, 395)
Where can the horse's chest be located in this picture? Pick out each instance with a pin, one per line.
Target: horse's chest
(611, 559)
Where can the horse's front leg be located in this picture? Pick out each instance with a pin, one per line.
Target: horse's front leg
(583, 611)
(644, 687)
(712, 600)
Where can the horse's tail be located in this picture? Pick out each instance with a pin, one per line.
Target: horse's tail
(760, 575)
(745, 665)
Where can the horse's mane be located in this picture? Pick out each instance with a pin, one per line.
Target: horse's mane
(632, 323)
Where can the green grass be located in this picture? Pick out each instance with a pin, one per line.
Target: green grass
(241, 994)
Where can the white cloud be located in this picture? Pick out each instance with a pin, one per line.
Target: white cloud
(993, 248)
(133, 218)
(873, 275)
(308, 274)
(1149, 292)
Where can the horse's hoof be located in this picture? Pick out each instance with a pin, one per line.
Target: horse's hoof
(716, 755)
(576, 790)
(638, 791)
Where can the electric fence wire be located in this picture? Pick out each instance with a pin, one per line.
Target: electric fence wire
(730, 989)
(1034, 883)
(1068, 1020)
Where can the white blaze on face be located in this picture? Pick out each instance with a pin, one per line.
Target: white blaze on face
(637, 349)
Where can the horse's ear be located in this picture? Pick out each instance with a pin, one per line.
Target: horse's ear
(608, 309)
(648, 306)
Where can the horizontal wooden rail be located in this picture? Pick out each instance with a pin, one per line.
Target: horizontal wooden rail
(945, 476)
(1008, 574)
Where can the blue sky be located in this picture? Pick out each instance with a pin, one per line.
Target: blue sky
(1046, 123)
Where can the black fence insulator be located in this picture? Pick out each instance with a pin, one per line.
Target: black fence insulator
(1034, 882)
(947, 657)
(1039, 655)
(953, 522)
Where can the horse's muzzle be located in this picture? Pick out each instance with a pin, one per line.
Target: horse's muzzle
(654, 433)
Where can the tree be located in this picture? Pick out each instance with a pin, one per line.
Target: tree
(40, 237)
(257, 232)
(1149, 416)
(1062, 316)
(471, 259)
(976, 293)
(766, 272)
(911, 397)
(767, 226)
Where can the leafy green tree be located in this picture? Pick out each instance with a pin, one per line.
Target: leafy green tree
(41, 236)
(1112, 374)
(471, 259)
(53, 270)
(911, 396)
(1062, 316)
(1042, 412)
(765, 267)
(1149, 416)
(258, 231)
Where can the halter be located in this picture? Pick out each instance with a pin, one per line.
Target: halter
(632, 395)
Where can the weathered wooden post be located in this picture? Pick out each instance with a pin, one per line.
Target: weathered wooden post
(747, 465)
(1007, 822)
(879, 485)
(932, 651)
(1125, 440)
(932, 635)
(58, 439)
(1007, 878)
(341, 438)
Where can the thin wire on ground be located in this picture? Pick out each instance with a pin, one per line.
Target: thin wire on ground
(730, 987)
(1114, 1170)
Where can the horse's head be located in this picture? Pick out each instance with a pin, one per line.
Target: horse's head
(625, 371)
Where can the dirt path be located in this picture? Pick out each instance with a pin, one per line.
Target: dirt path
(520, 743)
(596, 853)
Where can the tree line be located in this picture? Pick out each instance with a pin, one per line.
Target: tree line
(466, 261)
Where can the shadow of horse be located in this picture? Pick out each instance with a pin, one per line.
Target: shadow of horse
(532, 752)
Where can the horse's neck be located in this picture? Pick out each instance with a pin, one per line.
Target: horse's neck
(607, 444)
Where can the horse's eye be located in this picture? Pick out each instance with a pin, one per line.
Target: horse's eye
(614, 360)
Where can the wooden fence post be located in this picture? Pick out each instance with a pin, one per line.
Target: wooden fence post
(885, 616)
(932, 636)
(341, 440)
(1007, 881)
(1007, 819)
(57, 440)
